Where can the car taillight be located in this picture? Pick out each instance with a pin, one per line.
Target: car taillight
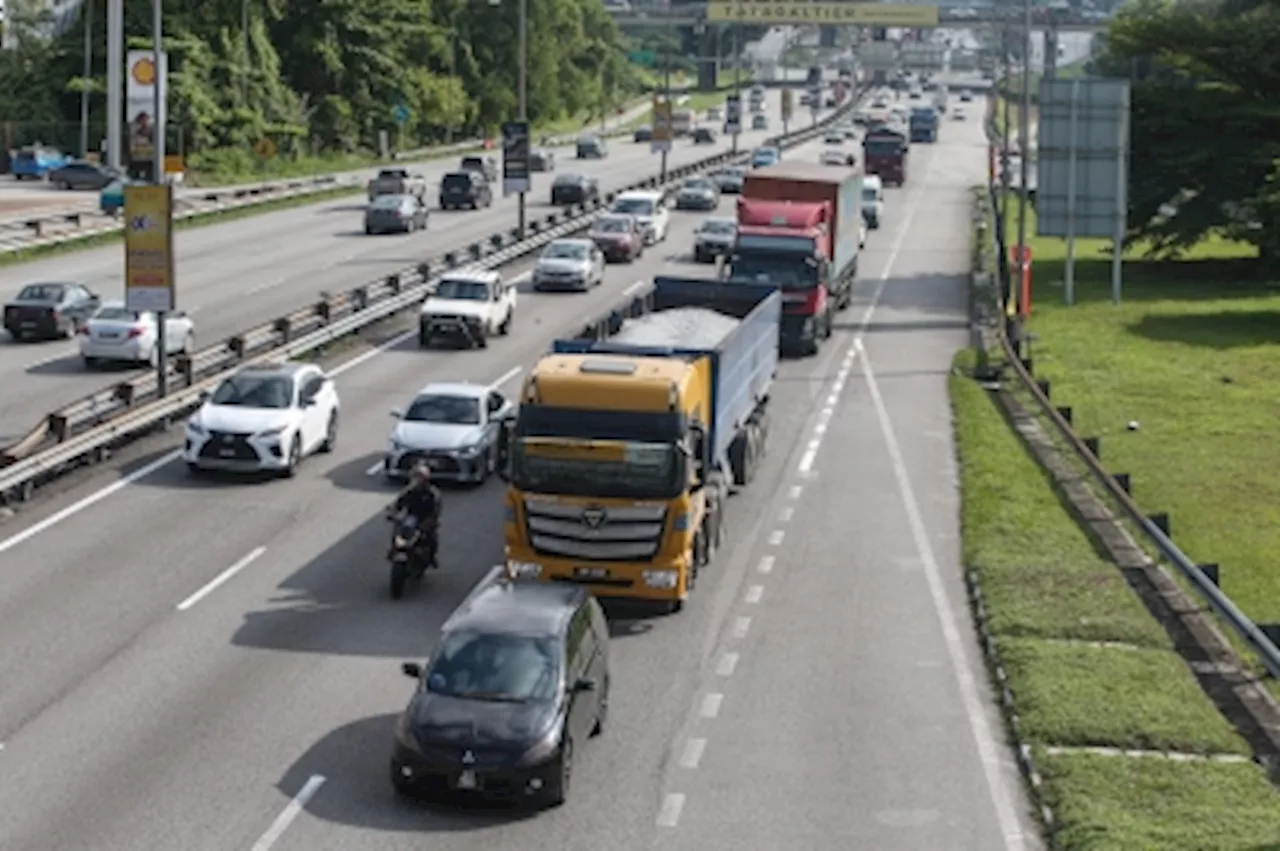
(134, 333)
(83, 329)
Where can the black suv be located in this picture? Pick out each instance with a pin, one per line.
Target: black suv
(574, 189)
(519, 680)
(465, 190)
(485, 165)
(592, 148)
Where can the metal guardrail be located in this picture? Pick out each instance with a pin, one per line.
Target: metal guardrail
(1206, 588)
(90, 427)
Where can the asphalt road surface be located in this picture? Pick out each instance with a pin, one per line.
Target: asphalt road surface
(214, 664)
(243, 273)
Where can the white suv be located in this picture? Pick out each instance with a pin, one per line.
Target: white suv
(650, 210)
(467, 307)
(265, 417)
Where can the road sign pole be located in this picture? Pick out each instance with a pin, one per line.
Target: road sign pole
(158, 88)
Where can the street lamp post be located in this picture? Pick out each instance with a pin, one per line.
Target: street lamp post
(522, 89)
(159, 127)
(1024, 132)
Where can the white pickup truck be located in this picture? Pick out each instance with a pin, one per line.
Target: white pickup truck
(467, 307)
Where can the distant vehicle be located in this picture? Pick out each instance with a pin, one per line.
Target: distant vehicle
(35, 162)
(618, 236)
(111, 198)
(762, 157)
(451, 427)
(540, 160)
(730, 179)
(966, 96)
(698, 193)
(467, 307)
(115, 334)
(465, 189)
(395, 214)
(574, 188)
(872, 200)
(958, 114)
(397, 181)
(704, 136)
(834, 137)
(266, 417)
(644, 133)
(529, 729)
(591, 148)
(714, 238)
(49, 311)
(715, 113)
(682, 122)
(834, 157)
(569, 264)
(650, 210)
(487, 166)
(83, 175)
(759, 122)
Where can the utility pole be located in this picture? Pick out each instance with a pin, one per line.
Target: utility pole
(737, 79)
(1024, 132)
(115, 82)
(86, 76)
(159, 128)
(523, 59)
(666, 97)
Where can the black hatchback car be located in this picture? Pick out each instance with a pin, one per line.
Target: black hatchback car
(519, 680)
(49, 311)
(465, 190)
(591, 148)
(574, 189)
(83, 175)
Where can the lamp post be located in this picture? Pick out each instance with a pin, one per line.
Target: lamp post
(1024, 133)
(86, 77)
(522, 88)
(158, 129)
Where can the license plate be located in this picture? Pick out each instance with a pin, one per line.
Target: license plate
(109, 336)
(467, 780)
(591, 572)
(227, 453)
(26, 323)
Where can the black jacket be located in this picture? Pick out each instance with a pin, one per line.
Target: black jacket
(422, 501)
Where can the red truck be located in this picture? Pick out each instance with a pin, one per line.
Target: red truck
(884, 153)
(798, 229)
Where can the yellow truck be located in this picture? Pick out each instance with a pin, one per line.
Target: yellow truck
(630, 437)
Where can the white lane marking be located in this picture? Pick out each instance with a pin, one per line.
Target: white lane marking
(988, 748)
(727, 665)
(291, 811)
(785, 515)
(741, 626)
(638, 285)
(766, 564)
(693, 750)
(375, 468)
(754, 594)
(45, 361)
(776, 537)
(507, 376)
(365, 357)
(221, 579)
(668, 816)
(92, 499)
(710, 705)
(795, 491)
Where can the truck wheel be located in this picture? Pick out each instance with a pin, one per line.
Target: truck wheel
(505, 328)
(482, 337)
(424, 338)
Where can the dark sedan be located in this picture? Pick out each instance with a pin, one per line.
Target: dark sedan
(574, 189)
(395, 214)
(704, 136)
(540, 160)
(83, 175)
(618, 236)
(644, 133)
(49, 311)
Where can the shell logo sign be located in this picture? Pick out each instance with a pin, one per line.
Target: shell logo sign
(144, 76)
(144, 71)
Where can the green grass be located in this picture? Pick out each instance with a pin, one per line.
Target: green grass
(1193, 357)
(1088, 666)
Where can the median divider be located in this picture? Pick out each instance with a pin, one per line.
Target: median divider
(88, 429)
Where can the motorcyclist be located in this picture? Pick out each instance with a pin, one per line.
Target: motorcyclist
(422, 501)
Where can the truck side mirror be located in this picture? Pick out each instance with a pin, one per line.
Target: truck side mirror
(503, 464)
(698, 455)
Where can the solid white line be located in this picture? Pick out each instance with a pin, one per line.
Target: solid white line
(634, 287)
(365, 357)
(711, 705)
(806, 462)
(741, 626)
(507, 376)
(727, 665)
(221, 579)
(375, 468)
(776, 537)
(766, 564)
(988, 747)
(291, 811)
(693, 750)
(668, 816)
(45, 361)
(754, 594)
(92, 499)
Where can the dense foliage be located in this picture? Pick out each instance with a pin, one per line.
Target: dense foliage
(326, 75)
(1205, 118)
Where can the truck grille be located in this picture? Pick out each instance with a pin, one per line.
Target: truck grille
(228, 446)
(593, 532)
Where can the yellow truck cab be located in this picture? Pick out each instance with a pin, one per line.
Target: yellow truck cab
(630, 437)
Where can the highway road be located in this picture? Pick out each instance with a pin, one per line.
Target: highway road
(242, 273)
(214, 664)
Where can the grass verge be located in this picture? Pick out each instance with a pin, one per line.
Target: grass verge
(37, 252)
(1190, 357)
(1089, 667)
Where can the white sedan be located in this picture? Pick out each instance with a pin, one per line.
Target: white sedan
(832, 157)
(119, 335)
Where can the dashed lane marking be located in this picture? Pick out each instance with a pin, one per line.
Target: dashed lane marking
(221, 579)
(693, 750)
(711, 704)
(291, 811)
(668, 816)
(727, 665)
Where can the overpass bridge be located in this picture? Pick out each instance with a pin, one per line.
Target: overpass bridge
(700, 15)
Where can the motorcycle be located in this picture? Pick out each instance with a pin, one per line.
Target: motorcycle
(413, 551)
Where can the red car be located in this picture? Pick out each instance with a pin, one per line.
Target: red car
(618, 237)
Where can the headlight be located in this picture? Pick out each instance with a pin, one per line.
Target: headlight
(272, 432)
(544, 749)
(470, 451)
(194, 427)
(404, 735)
(523, 569)
(396, 446)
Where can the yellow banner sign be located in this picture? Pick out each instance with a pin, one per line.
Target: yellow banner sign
(804, 12)
(662, 112)
(148, 247)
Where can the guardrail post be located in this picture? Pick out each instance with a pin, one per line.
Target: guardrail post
(284, 327)
(1271, 631)
(497, 240)
(1160, 521)
(1028, 364)
(1211, 573)
(1065, 412)
(236, 346)
(1045, 387)
(476, 250)
(1122, 479)
(185, 366)
(424, 272)
(359, 297)
(1094, 445)
(124, 392)
(73, 219)
(59, 427)
(324, 309)
(450, 260)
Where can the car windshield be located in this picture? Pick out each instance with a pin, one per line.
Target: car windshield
(497, 667)
(456, 181)
(468, 290)
(568, 180)
(447, 410)
(734, 173)
(473, 163)
(634, 206)
(389, 202)
(614, 225)
(116, 313)
(883, 148)
(699, 185)
(631, 469)
(566, 250)
(255, 391)
(870, 195)
(41, 292)
(721, 227)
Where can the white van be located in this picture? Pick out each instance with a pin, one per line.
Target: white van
(872, 200)
(650, 210)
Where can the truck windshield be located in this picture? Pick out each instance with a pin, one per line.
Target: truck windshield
(885, 148)
(635, 470)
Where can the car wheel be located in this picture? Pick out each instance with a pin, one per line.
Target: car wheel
(295, 458)
(193, 469)
(602, 710)
(505, 328)
(482, 337)
(90, 363)
(557, 789)
(330, 433)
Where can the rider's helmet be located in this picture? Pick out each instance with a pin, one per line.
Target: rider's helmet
(420, 475)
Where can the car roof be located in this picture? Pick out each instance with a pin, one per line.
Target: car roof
(870, 180)
(571, 240)
(719, 220)
(281, 369)
(455, 388)
(644, 194)
(534, 609)
(482, 276)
